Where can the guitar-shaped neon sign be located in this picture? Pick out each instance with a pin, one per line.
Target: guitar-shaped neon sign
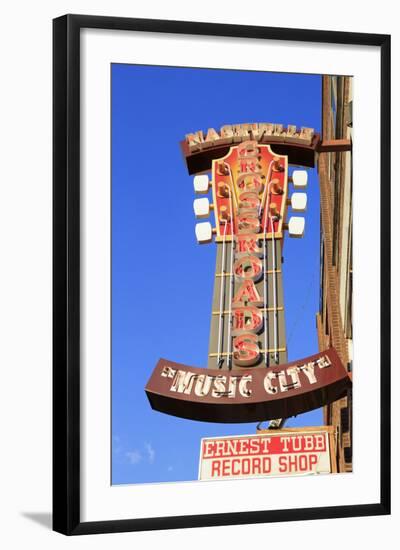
(250, 200)
(247, 377)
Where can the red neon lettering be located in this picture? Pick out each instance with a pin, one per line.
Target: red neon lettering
(245, 350)
(247, 293)
(248, 223)
(247, 243)
(248, 166)
(249, 199)
(249, 182)
(247, 318)
(248, 149)
(248, 267)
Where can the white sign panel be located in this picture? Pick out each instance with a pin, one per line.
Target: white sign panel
(275, 453)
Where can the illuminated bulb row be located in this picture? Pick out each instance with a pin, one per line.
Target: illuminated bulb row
(202, 208)
(298, 202)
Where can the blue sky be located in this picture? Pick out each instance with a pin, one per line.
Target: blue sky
(162, 280)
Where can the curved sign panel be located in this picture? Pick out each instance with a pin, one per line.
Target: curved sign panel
(247, 395)
(299, 144)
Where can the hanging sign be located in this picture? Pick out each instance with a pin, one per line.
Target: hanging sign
(247, 395)
(287, 452)
(248, 378)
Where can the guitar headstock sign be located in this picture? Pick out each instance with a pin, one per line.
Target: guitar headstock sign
(248, 378)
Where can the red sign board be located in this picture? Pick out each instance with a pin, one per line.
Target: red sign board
(288, 452)
(239, 185)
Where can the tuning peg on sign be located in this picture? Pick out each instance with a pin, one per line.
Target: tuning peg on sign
(223, 190)
(276, 188)
(204, 232)
(273, 210)
(223, 168)
(298, 202)
(201, 184)
(276, 165)
(201, 207)
(296, 227)
(224, 214)
(299, 179)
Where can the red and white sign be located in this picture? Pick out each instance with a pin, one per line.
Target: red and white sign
(276, 453)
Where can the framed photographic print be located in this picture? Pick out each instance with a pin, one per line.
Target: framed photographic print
(221, 274)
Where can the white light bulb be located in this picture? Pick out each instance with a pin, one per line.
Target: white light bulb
(201, 184)
(300, 178)
(299, 202)
(203, 232)
(201, 207)
(296, 227)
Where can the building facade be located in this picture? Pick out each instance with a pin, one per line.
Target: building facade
(334, 319)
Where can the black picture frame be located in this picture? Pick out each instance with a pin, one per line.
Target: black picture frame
(66, 273)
